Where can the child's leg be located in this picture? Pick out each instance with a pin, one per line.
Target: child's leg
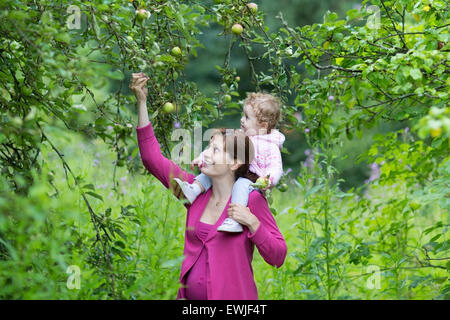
(241, 190)
(239, 194)
(191, 191)
(203, 181)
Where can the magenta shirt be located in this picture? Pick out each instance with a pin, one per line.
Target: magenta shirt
(229, 273)
(196, 277)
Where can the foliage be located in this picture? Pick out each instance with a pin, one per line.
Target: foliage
(350, 245)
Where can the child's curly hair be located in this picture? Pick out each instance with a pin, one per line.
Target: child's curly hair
(266, 107)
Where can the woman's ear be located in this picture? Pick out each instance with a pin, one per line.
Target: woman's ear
(235, 165)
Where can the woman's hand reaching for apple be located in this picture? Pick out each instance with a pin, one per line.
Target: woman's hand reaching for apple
(138, 86)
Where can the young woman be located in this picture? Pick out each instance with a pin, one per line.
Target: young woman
(217, 265)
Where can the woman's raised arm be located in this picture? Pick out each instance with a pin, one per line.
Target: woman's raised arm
(158, 165)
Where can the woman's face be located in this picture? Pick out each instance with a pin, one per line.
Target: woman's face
(216, 161)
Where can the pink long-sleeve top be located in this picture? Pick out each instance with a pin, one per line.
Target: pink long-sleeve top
(268, 160)
(229, 273)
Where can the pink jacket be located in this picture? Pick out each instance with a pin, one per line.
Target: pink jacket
(267, 155)
(229, 269)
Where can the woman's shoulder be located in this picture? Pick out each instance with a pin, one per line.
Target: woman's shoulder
(256, 197)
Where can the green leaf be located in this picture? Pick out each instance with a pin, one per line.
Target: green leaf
(80, 108)
(119, 244)
(437, 225)
(330, 16)
(121, 233)
(63, 37)
(118, 252)
(89, 186)
(373, 151)
(435, 237)
(313, 190)
(415, 73)
(95, 195)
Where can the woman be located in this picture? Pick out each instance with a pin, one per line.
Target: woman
(217, 265)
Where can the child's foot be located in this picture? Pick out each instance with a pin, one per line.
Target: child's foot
(230, 225)
(190, 191)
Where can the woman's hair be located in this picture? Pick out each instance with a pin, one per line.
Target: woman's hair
(240, 148)
(266, 108)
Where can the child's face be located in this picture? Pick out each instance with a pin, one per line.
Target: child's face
(250, 124)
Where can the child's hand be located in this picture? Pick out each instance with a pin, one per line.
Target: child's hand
(196, 162)
(263, 183)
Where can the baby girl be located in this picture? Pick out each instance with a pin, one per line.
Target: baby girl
(261, 115)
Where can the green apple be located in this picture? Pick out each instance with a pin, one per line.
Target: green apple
(176, 51)
(142, 14)
(26, 91)
(237, 29)
(253, 7)
(227, 98)
(238, 78)
(282, 187)
(169, 107)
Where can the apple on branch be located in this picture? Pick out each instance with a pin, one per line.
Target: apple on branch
(169, 107)
(253, 7)
(237, 29)
(142, 14)
(176, 51)
(283, 187)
